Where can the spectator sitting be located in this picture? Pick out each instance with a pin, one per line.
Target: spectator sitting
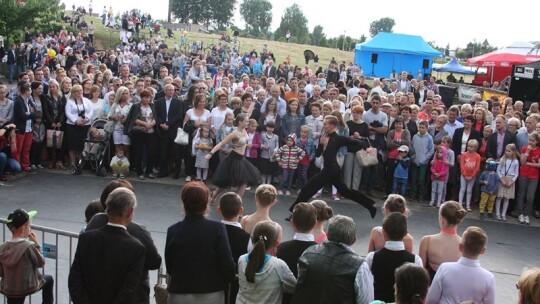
(385, 261)
(412, 283)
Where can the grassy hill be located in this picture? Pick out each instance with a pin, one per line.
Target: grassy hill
(107, 39)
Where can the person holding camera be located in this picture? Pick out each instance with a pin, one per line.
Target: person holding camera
(7, 163)
(78, 112)
(24, 111)
(118, 112)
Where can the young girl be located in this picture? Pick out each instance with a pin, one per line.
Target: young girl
(120, 164)
(451, 161)
(293, 120)
(269, 146)
(529, 171)
(508, 171)
(254, 143)
(305, 143)
(470, 166)
(288, 157)
(324, 213)
(439, 176)
(262, 277)
(394, 203)
(226, 128)
(202, 143)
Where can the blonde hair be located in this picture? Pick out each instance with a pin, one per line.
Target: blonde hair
(515, 153)
(396, 203)
(529, 286)
(266, 194)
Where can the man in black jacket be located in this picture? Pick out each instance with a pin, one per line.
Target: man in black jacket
(498, 141)
(170, 113)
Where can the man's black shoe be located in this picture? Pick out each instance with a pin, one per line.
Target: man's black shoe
(373, 211)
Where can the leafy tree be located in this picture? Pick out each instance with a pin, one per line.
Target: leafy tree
(257, 14)
(294, 20)
(318, 36)
(34, 14)
(363, 38)
(382, 25)
(203, 11)
(222, 12)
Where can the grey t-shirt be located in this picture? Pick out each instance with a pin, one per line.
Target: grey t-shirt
(370, 117)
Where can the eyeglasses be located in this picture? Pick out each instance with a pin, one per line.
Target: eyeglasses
(517, 286)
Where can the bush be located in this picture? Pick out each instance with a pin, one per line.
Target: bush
(293, 39)
(281, 39)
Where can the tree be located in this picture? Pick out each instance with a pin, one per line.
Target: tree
(257, 14)
(203, 11)
(34, 14)
(363, 38)
(222, 12)
(382, 25)
(293, 20)
(317, 37)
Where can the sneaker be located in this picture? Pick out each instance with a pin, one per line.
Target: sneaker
(490, 215)
(526, 219)
(33, 167)
(40, 166)
(498, 217)
(248, 188)
(481, 215)
(431, 204)
(317, 195)
(469, 209)
(188, 179)
(122, 176)
(141, 177)
(151, 175)
(503, 218)
(115, 175)
(336, 198)
(521, 219)
(287, 192)
(438, 206)
(280, 192)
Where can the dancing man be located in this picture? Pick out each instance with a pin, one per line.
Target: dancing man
(329, 144)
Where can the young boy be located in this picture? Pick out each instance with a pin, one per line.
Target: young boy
(422, 151)
(489, 186)
(38, 136)
(385, 261)
(470, 166)
(465, 280)
(401, 174)
(120, 164)
(21, 260)
(230, 208)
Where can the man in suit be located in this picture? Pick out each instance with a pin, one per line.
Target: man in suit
(498, 141)
(11, 62)
(270, 70)
(109, 263)
(170, 113)
(230, 208)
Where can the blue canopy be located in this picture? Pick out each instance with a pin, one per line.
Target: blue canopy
(399, 52)
(453, 66)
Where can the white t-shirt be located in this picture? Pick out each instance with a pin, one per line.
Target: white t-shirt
(218, 117)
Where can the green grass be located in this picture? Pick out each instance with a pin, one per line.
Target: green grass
(108, 39)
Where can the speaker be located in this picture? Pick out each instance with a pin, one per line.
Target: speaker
(425, 64)
(374, 58)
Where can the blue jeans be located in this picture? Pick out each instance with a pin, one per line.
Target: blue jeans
(21, 68)
(8, 164)
(46, 292)
(11, 72)
(287, 178)
(399, 186)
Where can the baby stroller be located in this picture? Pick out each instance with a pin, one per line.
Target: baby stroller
(96, 152)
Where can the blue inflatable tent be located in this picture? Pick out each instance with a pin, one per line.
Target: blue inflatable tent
(388, 51)
(453, 66)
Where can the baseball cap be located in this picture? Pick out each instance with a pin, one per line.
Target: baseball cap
(403, 148)
(386, 104)
(19, 217)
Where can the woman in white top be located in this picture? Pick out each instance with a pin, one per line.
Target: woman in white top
(315, 121)
(97, 103)
(119, 112)
(199, 116)
(6, 107)
(218, 113)
(79, 110)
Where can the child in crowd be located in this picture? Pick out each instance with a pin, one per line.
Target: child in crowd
(394, 203)
(306, 143)
(230, 208)
(262, 277)
(470, 166)
(38, 136)
(401, 173)
(508, 172)
(529, 172)
(321, 81)
(439, 176)
(202, 145)
(265, 198)
(324, 213)
(422, 151)
(225, 130)
(254, 143)
(385, 261)
(92, 147)
(451, 161)
(269, 146)
(489, 185)
(120, 164)
(288, 157)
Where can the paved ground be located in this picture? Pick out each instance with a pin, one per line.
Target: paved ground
(61, 198)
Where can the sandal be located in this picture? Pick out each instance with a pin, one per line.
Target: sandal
(60, 166)
(212, 198)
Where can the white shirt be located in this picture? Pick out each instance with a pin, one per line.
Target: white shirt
(450, 128)
(363, 283)
(218, 117)
(167, 106)
(116, 225)
(306, 237)
(456, 282)
(393, 246)
(235, 224)
(73, 110)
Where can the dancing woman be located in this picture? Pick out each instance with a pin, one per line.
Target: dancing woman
(329, 144)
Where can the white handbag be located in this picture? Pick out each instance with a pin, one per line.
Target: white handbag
(182, 137)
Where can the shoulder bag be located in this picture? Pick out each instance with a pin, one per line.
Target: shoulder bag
(182, 137)
(365, 158)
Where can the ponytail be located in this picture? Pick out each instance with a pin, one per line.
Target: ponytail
(256, 259)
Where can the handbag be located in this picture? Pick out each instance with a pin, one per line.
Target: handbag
(182, 137)
(54, 138)
(319, 161)
(367, 159)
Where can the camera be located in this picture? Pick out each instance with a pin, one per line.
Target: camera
(81, 114)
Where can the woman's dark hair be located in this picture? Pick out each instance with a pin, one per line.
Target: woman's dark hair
(35, 85)
(324, 212)
(412, 282)
(264, 236)
(195, 198)
(191, 93)
(117, 183)
(297, 109)
(453, 212)
(246, 96)
(266, 110)
(92, 209)
(199, 98)
(469, 117)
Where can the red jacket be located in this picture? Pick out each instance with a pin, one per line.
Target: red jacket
(255, 145)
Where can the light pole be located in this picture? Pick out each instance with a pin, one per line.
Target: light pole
(473, 46)
(343, 48)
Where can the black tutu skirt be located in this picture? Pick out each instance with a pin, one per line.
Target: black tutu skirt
(267, 167)
(235, 170)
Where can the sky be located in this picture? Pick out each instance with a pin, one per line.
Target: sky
(454, 22)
